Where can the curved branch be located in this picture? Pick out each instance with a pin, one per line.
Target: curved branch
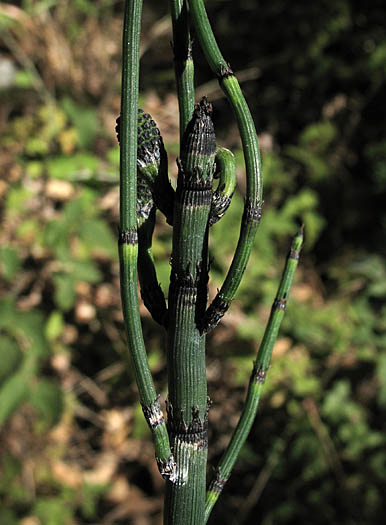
(253, 200)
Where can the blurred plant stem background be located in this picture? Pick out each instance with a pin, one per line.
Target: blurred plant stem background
(74, 447)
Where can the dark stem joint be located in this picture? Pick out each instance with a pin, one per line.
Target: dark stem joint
(252, 212)
(259, 375)
(128, 237)
(194, 433)
(218, 483)
(279, 304)
(214, 313)
(294, 254)
(193, 189)
(225, 72)
(153, 414)
(168, 469)
(185, 279)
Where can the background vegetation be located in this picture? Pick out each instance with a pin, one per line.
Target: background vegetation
(74, 445)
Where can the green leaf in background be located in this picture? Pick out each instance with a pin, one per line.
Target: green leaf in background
(28, 328)
(53, 511)
(54, 325)
(13, 392)
(10, 357)
(90, 497)
(98, 237)
(84, 271)
(8, 516)
(64, 291)
(85, 120)
(24, 79)
(79, 166)
(47, 398)
(10, 263)
(113, 156)
(16, 200)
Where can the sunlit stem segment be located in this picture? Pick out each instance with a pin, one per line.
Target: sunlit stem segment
(128, 237)
(183, 62)
(253, 200)
(257, 379)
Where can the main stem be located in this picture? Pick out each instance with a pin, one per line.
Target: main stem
(187, 409)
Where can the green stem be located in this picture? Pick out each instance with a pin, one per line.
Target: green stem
(187, 412)
(128, 237)
(183, 62)
(253, 201)
(257, 380)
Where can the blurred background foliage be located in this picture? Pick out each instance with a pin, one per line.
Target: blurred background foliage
(74, 444)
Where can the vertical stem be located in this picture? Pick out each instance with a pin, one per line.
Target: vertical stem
(183, 62)
(128, 237)
(187, 422)
(129, 114)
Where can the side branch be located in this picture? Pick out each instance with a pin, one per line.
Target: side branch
(257, 379)
(232, 90)
(128, 237)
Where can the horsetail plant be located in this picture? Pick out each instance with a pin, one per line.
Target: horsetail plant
(191, 209)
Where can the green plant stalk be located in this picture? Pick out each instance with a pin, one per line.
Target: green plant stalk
(257, 379)
(183, 62)
(253, 200)
(128, 237)
(187, 410)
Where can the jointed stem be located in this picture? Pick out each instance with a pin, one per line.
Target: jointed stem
(183, 62)
(253, 201)
(187, 421)
(128, 237)
(257, 379)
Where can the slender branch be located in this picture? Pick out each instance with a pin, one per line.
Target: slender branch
(128, 237)
(257, 379)
(253, 201)
(183, 62)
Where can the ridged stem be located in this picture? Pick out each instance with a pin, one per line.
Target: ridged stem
(253, 200)
(257, 379)
(128, 237)
(183, 62)
(187, 411)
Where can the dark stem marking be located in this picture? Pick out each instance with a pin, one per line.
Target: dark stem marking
(153, 414)
(128, 237)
